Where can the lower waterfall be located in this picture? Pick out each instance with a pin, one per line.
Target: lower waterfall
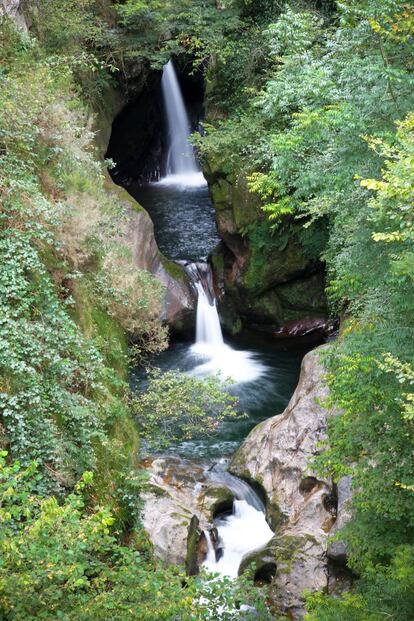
(216, 357)
(239, 533)
(244, 531)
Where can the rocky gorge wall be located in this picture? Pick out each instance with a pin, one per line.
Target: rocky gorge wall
(14, 9)
(265, 277)
(179, 301)
(303, 509)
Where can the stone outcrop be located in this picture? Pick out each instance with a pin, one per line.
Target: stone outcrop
(14, 9)
(267, 278)
(278, 454)
(179, 489)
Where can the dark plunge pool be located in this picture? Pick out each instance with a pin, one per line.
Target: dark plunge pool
(183, 216)
(259, 399)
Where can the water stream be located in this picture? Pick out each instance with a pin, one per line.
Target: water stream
(262, 377)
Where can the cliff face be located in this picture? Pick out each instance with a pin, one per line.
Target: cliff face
(278, 454)
(270, 278)
(179, 303)
(14, 9)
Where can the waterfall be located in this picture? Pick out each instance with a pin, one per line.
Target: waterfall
(211, 551)
(244, 531)
(218, 357)
(208, 328)
(182, 167)
(240, 533)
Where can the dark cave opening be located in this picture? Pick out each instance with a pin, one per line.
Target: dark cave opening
(137, 145)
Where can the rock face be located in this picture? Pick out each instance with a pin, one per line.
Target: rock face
(278, 454)
(179, 301)
(178, 490)
(268, 278)
(14, 9)
(337, 549)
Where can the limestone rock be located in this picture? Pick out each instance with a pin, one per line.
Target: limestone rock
(14, 9)
(278, 454)
(178, 490)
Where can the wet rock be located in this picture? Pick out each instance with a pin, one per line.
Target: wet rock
(278, 454)
(262, 562)
(179, 489)
(194, 547)
(303, 327)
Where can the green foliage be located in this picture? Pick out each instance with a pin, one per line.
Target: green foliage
(334, 149)
(63, 399)
(385, 593)
(156, 30)
(62, 561)
(176, 406)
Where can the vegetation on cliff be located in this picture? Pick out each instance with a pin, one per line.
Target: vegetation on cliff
(70, 300)
(322, 127)
(312, 103)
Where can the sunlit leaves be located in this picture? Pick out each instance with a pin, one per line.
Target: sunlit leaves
(177, 407)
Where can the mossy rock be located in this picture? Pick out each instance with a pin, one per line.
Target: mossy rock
(273, 263)
(305, 294)
(259, 559)
(217, 500)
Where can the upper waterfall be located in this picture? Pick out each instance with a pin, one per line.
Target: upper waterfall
(181, 163)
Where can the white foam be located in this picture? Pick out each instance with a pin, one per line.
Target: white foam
(186, 180)
(219, 358)
(229, 364)
(242, 532)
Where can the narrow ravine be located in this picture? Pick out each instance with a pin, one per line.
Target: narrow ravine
(262, 378)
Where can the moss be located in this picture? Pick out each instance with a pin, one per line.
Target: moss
(286, 550)
(124, 198)
(246, 206)
(98, 325)
(274, 258)
(274, 514)
(174, 270)
(108, 106)
(304, 295)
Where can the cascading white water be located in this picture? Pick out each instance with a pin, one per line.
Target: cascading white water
(220, 359)
(182, 168)
(242, 532)
(208, 328)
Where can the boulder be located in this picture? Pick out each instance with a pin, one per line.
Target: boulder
(278, 454)
(14, 9)
(180, 501)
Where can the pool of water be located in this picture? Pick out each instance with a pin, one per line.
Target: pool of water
(265, 374)
(259, 399)
(183, 216)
